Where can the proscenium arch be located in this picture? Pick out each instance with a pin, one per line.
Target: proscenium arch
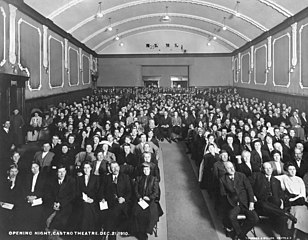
(196, 2)
(168, 26)
(237, 33)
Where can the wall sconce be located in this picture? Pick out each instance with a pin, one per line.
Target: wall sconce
(292, 69)
(250, 71)
(67, 70)
(81, 70)
(46, 70)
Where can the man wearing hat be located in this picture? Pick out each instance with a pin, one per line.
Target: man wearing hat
(18, 123)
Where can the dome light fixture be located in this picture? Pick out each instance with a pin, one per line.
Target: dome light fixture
(99, 13)
(117, 37)
(109, 27)
(166, 18)
(224, 27)
(237, 6)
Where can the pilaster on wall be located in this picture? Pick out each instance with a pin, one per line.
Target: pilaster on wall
(35, 49)
(278, 63)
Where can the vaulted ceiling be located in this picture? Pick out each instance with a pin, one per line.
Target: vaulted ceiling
(195, 26)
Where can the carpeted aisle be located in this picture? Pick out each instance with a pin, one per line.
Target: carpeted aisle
(188, 216)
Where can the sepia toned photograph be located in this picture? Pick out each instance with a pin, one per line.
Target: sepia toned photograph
(153, 119)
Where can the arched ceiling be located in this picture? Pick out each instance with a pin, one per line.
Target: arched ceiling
(192, 22)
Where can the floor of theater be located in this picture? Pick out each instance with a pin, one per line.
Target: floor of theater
(188, 211)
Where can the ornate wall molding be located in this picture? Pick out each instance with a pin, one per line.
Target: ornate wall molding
(256, 65)
(45, 47)
(300, 56)
(235, 70)
(66, 54)
(62, 61)
(12, 48)
(289, 60)
(3, 61)
(294, 45)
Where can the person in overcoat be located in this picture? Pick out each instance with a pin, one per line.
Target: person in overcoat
(146, 189)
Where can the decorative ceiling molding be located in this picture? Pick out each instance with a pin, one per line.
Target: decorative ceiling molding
(277, 7)
(244, 37)
(176, 26)
(196, 2)
(63, 8)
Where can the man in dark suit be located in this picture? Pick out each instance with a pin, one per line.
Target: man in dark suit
(269, 195)
(238, 196)
(116, 190)
(44, 158)
(6, 142)
(59, 200)
(34, 189)
(300, 163)
(165, 125)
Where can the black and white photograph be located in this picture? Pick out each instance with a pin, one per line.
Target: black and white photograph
(153, 119)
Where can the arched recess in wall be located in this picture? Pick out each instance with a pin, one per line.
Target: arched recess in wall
(260, 73)
(73, 75)
(29, 52)
(56, 62)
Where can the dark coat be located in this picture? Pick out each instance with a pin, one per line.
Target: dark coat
(144, 220)
(63, 194)
(87, 212)
(239, 191)
(261, 188)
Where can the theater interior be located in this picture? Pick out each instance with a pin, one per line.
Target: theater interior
(195, 56)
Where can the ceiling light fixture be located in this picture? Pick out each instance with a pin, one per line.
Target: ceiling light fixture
(224, 27)
(237, 6)
(121, 44)
(110, 27)
(166, 18)
(99, 13)
(117, 37)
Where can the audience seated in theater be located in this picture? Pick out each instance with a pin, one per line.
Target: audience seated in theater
(247, 166)
(259, 156)
(294, 188)
(296, 124)
(277, 164)
(44, 158)
(238, 197)
(59, 200)
(270, 198)
(86, 155)
(146, 188)
(116, 190)
(300, 163)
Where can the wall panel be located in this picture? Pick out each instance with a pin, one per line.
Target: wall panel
(245, 67)
(73, 57)
(281, 60)
(260, 74)
(56, 69)
(303, 50)
(29, 52)
(85, 69)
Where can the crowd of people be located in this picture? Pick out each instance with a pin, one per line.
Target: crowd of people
(98, 168)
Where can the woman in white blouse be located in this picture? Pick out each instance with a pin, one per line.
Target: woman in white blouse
(295, 188)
